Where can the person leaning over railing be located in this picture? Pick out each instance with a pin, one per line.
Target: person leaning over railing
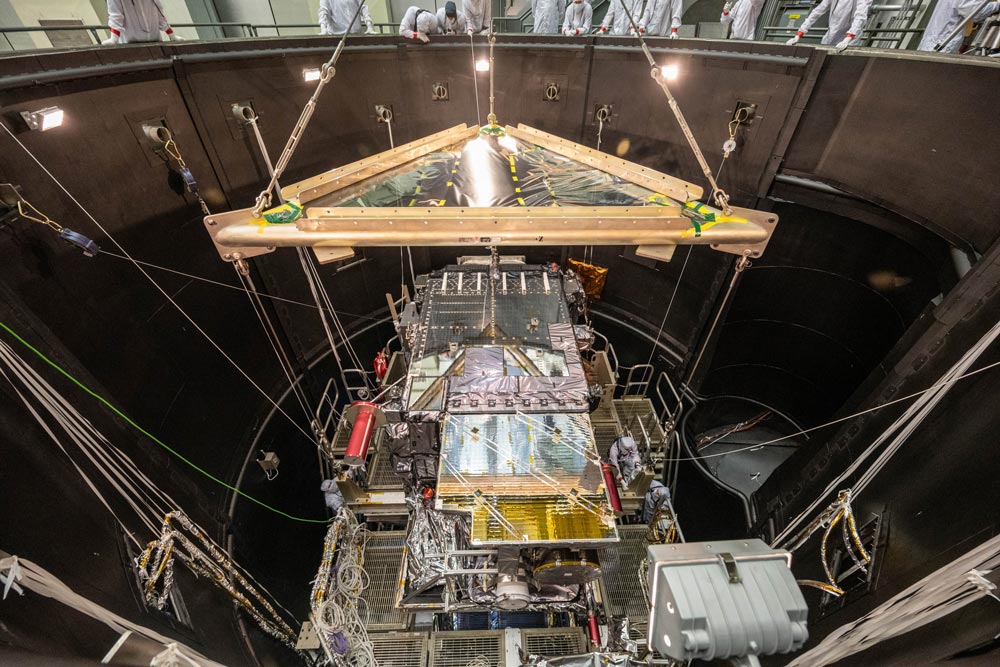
(477, 15)
(418, 23)
(847, 19)
(578, 18)
(137, 21)
(946, 17)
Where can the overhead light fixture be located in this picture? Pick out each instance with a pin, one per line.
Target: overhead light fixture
(43, 119)
(670, 72)
(483, 65)
(311, 75)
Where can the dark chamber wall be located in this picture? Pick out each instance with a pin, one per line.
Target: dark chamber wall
(805, 329)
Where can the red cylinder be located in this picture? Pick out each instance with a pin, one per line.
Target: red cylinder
(593, 630)
(362, 432)
(611, 485)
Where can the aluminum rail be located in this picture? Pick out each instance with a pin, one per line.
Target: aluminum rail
(501, 226)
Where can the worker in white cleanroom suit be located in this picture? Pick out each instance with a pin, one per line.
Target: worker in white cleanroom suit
(137, 21)
(847, 19)
(578, 17)
(477, 15)
(616, 20)
(449, 20)
(546, 15)
(946, 17)
(418, 23)
(742, 16)
(662, 17)
(335, 17)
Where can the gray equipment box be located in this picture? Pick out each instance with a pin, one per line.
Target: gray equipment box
(724, 599)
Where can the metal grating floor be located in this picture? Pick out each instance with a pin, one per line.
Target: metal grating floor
(381, 477)
(623, 594)
(383, 557)
(553, 642)
(400, 649)
(457, 649)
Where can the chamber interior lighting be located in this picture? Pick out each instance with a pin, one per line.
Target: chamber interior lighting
(670, 72)
(43, 119)
(310, 74)
(483, 65)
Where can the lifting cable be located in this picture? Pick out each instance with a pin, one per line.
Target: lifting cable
(262, 295)
(327, 72)
(287, 367)
(149, 435)
(475, 78)
(905, 424)
(316, 286)
(718, 195)
(155, 284)
(783, 440)
(134, 487)
(670, 304)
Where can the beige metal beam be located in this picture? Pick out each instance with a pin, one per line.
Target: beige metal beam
(343, 228)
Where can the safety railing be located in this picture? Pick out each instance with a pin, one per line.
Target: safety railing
(98, 33)
(885, 36)
(609, 349)
(637, 381)
(869, 35)
(326, 411)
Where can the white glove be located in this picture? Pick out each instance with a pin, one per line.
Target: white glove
(422, 37)
(794, 40)
(567, 32)
(174, 37)
(370, 30)
(726, 7)
(112, 40)
(673, 33)
(844, 43)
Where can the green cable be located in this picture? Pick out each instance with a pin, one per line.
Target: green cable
(150, 435)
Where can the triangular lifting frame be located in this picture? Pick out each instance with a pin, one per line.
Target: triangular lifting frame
(671, 217)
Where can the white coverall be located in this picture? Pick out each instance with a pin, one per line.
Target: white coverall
(477, 14)
(662, 17)
(418, 20)
(616, 20)
(847, 17)
(334, 16)
(137, 21)
(578, 18)
(448, 28)
(947, 15)
(546, 15)
(743, 17)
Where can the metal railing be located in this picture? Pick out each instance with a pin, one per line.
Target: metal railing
(100, 32)
(891, 31)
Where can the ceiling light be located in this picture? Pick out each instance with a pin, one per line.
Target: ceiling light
(43, 119)
(310, 75)
(670, 72)
(483, 65)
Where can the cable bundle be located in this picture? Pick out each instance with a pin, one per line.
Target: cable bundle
(339, 613)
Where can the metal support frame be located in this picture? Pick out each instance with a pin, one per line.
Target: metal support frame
(335, 232)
